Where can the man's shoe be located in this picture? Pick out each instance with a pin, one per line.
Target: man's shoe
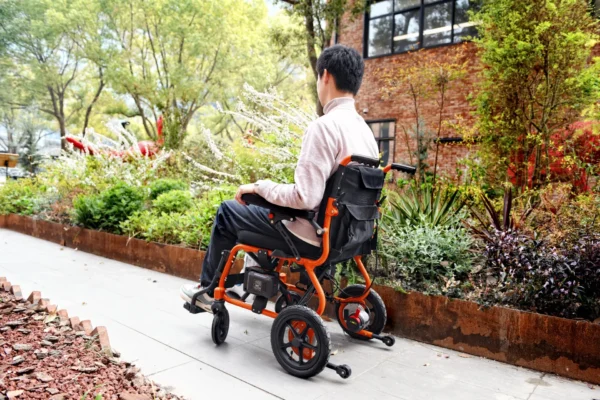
(237, 292)
(204, 301)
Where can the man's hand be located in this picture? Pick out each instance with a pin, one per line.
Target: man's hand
(244, 189)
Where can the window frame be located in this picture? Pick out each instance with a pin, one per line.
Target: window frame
(387, 139)
(393, 14)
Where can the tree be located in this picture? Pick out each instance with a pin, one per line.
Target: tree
(536, 80)
(176, 57)
(321, 20)
(424, 79)
(283, 67)
(43, 62)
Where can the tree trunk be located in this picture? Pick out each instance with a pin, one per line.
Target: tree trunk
(310, 47)
(88, 112)
(63, 131)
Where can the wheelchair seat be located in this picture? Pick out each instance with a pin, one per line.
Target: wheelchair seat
(306, 250)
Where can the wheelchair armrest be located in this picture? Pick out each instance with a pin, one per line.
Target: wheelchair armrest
(279, 212)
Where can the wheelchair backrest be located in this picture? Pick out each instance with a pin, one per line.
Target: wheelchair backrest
(356, 189)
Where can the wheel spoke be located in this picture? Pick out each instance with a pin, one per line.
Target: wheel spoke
(304, 331)
(309, 346)
(292, 329)
(301, 354)
(286, 345)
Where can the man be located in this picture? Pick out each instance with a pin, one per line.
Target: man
(339, 133)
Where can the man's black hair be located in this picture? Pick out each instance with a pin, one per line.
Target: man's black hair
(345, 65)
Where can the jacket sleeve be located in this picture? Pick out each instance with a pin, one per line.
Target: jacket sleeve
(315, 165)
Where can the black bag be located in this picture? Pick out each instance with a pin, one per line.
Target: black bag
(357, 189)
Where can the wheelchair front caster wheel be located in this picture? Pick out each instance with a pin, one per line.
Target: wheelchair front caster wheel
(220, 326)
(389, 341)
(343, 371)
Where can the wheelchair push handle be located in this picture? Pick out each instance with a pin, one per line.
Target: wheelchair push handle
(372, 162)
(408, 169)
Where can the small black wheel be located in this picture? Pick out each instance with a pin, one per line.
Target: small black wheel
(389, 341)
(300, 341)
(374, 307)
(343, 371)
(220, 326)
(282, 301)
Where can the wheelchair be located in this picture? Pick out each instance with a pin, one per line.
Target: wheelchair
(346, 222)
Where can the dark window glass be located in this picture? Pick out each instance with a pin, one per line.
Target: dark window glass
(406, 36)
(463, 28)
(397, 26)
(438, 25)
(380, 36)
(384, 149)
(385, 136)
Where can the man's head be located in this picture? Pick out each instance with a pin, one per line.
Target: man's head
(340, 70)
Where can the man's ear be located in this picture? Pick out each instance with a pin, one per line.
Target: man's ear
(326, 76)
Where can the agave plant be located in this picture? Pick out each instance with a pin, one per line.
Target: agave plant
(506, 221)
(425, 206)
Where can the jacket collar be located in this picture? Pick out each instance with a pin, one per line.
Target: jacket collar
(339, 102)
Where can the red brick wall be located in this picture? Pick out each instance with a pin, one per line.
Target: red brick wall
(372, 106)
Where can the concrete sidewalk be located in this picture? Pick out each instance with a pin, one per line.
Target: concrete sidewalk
(146, 322)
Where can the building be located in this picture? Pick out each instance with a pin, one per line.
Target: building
(384, 36)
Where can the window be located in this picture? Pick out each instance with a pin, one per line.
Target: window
(385, 136)
(397, 26)
(595, 5)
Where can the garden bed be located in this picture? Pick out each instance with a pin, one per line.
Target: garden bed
(544, 343)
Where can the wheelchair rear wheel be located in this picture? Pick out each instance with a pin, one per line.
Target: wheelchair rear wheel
(300, 341)
(374, 307)
(220, 326)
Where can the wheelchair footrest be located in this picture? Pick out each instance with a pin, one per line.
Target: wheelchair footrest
(193, 308)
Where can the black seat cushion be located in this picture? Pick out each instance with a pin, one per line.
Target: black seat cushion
(262, 241)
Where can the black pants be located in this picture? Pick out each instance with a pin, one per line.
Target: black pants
(233, 217)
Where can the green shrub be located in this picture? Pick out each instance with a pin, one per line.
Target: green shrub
(174, 201)
(106, 211)
(161, 186)
(192, 228)
(425, 205)
(430, 259)
(20, 197)
(181, 229)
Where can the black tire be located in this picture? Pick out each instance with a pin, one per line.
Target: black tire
(344, 371)
(294, 362)
(282, 302)
(377, 311)
(220, 326)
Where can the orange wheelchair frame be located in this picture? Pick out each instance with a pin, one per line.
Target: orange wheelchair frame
(305, 330)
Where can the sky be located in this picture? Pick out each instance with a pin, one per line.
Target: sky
(273, 8)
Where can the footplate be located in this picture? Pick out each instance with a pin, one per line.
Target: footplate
(193, 308)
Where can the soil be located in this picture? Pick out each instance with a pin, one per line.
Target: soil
(42, 357)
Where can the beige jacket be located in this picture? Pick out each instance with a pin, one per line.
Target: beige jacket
(339, 133)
